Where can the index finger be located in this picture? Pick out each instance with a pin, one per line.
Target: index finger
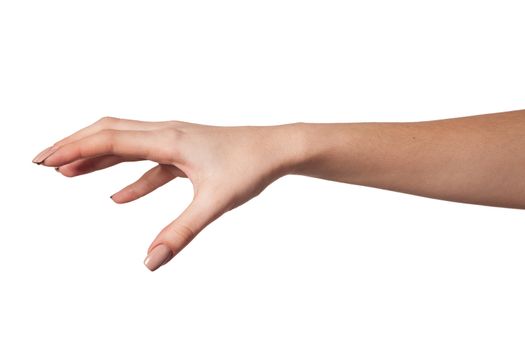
(110, 123)
(126, 143)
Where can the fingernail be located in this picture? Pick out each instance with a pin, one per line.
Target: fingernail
(44, 154)
(158, 256)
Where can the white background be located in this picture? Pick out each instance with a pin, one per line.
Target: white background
(308, 263)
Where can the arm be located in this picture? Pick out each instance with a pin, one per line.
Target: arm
(478, 159)
(474, 159)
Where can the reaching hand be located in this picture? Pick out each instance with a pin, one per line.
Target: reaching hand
(226, 165)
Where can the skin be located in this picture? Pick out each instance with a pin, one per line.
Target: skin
(477, 159)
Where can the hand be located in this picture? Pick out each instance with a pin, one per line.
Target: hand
(226, 165)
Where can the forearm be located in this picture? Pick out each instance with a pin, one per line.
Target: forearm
(478, 159)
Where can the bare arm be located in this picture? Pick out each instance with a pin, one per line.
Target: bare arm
(478, 159)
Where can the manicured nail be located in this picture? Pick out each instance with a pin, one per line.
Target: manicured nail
(158, 256)
(44, 154)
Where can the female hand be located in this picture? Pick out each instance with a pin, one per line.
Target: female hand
(226, 165)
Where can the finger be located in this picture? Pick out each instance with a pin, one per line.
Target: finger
(154, 178)
(101, 124)
(173, 238)
(89, 165)
(123, 143)
(109, 123)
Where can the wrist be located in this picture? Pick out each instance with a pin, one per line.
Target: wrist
(293, 148)
(323, 150)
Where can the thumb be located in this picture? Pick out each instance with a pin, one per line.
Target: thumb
(173, 238)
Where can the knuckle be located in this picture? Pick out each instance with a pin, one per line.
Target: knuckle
(172, 134)
(179, 124)
(133, 192)
(107, 121)
(107, 134)
(185, 231)
(171, 138)
(108, 137)
(179, 235)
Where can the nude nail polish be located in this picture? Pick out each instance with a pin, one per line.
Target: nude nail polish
(158, 257)
(44, 154)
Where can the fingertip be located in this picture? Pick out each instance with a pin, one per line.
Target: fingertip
(61, 171)
(114, 198)
(52, 160)
(66, 171)
(42, 156)
(158, 256)
(117, 198)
